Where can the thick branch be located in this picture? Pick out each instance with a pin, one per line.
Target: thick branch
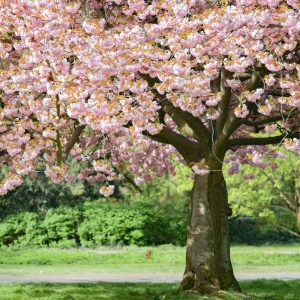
(261, 140)
(191, 151)
(228, 122)
(183, 119)
(73, 140)
(225, 102)
(59, 148)
(219, 146)
(260, 122)
(187, 122)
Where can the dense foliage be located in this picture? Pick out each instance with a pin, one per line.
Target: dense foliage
(96, 223)
(271, 196)
(43, 214)
(152, 214)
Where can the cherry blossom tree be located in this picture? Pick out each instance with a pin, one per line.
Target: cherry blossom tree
(121, 86)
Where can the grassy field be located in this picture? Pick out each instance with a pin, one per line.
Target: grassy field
(262, 289)
(163, 259)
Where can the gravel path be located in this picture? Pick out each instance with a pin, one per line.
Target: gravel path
(153, 278)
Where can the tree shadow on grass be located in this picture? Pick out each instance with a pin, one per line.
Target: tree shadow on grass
(258, 289)
(272, 289)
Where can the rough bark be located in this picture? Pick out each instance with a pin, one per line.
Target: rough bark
(208, 264)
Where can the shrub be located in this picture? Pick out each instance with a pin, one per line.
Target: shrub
(60, 226)
(110, 224)
(93, 224)
(96, 223)
(22, 229)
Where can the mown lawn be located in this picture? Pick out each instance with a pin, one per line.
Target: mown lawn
(163, 259)
(260, 289)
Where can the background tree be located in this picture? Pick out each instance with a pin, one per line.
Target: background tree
(39, 194)
(270, 195)
(118, 85)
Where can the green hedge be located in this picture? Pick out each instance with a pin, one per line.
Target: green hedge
(93, 224)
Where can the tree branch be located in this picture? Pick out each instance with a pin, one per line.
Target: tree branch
(225, 102)
(255, 82)
(131, 181)
(59, 148)
(219, 146)
(287, 202)
(260, 122)
(277, 206)
(187, 122)
(260, 140)
(285, 229)
(73, 140)
(190, 150)
(183, 119)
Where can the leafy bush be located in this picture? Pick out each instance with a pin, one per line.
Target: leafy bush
(246, 230)
(95, 223)
(110, 224)
(60, 226)
(139, 224)
(22, 229)
(64, 216)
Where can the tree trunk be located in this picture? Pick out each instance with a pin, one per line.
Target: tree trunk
(208, 264)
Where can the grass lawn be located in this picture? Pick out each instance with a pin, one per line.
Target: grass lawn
(262, 289)
(163, 259)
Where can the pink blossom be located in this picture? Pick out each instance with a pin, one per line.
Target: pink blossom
(107, 191)
(241, 111)
(125, 71)
(270, 80)
(200, 169)
(292, 145)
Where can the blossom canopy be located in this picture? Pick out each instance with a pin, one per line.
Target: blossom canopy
(119, 85)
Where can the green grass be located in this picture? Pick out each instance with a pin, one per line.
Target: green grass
(262, 289)
(164, 259)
